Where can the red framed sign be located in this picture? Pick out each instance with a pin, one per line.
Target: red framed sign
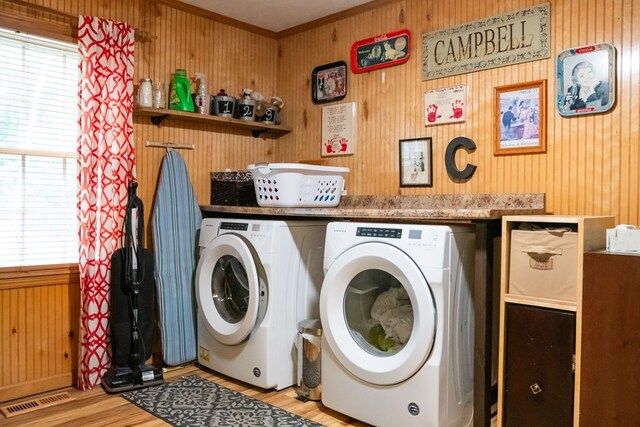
(380, 51)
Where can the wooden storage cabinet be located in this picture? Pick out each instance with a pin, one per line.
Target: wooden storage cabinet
(610, 380)
(538, 389)
(539, 351)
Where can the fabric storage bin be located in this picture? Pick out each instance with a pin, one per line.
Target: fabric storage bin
(544, 263)
(233, 188)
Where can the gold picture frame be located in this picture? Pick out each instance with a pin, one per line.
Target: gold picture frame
(520, 118)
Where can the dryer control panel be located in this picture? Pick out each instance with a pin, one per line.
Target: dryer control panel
(238, 226)
(386, 233)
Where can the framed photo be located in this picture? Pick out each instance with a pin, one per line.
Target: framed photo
(586, 80)
(329, 82)
(380, 51)
(520, 121)
(415, 162)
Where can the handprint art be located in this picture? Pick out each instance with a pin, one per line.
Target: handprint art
(336, 145)
(456, 107)
(432, 111)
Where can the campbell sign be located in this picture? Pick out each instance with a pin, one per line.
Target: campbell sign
(508, 39)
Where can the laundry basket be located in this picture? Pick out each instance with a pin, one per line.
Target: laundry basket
(297, 185)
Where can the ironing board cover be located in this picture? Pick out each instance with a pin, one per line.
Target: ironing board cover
(176, 221)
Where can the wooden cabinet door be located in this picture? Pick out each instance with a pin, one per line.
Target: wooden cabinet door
(610, 373)
(539, 360)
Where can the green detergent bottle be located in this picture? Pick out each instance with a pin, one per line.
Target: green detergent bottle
(180, 94)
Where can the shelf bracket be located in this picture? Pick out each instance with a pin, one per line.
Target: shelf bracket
(257, 132)
(157, 120)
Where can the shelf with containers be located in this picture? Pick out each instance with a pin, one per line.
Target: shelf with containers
(158, 115)
(541, 312)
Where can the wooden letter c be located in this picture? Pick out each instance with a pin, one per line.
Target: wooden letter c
(450, 158)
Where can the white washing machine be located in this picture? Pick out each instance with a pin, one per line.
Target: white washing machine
(397, 318)
(254, 281)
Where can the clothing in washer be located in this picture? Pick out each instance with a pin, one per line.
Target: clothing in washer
(397, 318)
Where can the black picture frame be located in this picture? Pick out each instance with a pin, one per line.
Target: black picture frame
(329, 82)
(416, 162)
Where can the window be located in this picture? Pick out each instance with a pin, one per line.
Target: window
(38, 140)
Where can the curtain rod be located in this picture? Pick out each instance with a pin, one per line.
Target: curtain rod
(139, 35)
(44, 9)
(170, 145)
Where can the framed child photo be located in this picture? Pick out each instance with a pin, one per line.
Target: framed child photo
(416, 167)
(586, 80)
(520, 121)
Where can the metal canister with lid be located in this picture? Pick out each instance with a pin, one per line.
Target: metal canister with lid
(223, 104)
(246, 106)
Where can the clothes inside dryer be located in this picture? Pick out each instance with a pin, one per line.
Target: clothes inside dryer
(230, 289)
(378, 312)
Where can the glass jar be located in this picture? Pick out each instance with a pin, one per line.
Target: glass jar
(145, 96)
(159, 95)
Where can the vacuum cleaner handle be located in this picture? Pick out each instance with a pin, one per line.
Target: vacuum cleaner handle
(134, 238)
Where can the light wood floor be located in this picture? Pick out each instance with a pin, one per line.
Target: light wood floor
(97, 408)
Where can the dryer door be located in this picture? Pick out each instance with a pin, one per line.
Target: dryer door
(378, 313)
(230, 288)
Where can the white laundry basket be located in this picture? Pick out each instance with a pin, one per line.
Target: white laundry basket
(297, 185)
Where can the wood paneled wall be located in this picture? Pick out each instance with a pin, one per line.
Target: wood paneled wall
(39, 325)
(590, 167)
(232, 59)
(38, 318)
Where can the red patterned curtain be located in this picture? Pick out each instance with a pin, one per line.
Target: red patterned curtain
(107, 165)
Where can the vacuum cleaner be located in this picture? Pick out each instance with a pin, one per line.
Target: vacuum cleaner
(132, 306)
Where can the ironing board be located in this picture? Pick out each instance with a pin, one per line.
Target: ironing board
(176, 221)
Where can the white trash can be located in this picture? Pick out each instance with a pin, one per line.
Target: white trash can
(309, 386)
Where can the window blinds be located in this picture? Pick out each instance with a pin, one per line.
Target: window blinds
(38, 140)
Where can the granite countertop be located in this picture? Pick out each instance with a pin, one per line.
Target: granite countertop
(443, 207)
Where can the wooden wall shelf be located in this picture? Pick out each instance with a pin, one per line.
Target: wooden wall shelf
(157, 116)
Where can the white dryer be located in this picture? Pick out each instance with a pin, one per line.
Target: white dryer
(397, 318)
(254, 281)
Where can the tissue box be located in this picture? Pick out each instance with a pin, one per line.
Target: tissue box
(623, 240)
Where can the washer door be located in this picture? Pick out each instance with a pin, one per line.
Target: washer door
(378, 314)
(231, 289)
